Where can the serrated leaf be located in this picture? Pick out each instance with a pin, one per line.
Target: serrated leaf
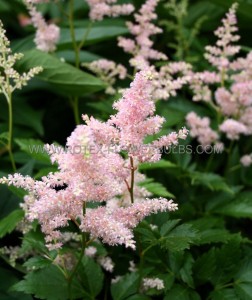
(168, 226)
(91, 277)
(240, 207)
(34, 148)
(244, 291)
(125, 287)
(186, 271)
(245, 272)
(48, 283)
(178, 292)
(214, 236)
(224, 294)
(9, 278)
(205, 266)
(161, 164)
(65, 78)
(225, 266)
(210, 180)
(8, 224)
(37, 262)
(157, 189)
(179, 238)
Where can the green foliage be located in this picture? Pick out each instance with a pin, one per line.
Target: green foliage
(201, 251)
(8, 224)
(125, 287)
(64, 78)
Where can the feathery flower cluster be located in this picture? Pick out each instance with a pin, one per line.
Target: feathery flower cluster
(100, 176)
(141, 46)
(219, 55)
(47, 35)
(200, 129)
(107, 70)
(106, 263)
(101, 8)
(10, 79)
(232, 101)
(169, 79)
(153, 283)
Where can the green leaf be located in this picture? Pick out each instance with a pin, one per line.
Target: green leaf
(244, 291)
(91, 278)
(48, 283)
(25, 115)
(8, 224)
(8, 278)
(186, 271)
(69, 56)
(179, 238)
(156, 189)
(125, 287)
(65, 78)
(241, 207)
(178, 292)
(214, 236)
(168, 226)
(34, 148)
(205, 266)
(225, 294)
(96, 34)
(139, 297)
(245, 272)
(161, 164)
(4, 137)
(37, 262)
(210, 180)
(225, 266)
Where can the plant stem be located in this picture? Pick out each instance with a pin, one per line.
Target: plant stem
(75, 105)
(72, 32)
(71, 277)
(90, 24)
(10, 134)
(132, 168)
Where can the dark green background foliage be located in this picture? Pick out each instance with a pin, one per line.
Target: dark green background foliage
(203, 251)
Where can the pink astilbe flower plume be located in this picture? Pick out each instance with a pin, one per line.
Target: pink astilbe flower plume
(92, 169)
(232, 99)
(47, 35)
(142, 30)
(101, 8)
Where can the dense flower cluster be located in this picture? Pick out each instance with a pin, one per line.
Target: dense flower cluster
(232, 100)
(101, 8)
(10, 79)
(153, 283)
(47, 35)
(98, 173)
(141, 46)
(108, 70)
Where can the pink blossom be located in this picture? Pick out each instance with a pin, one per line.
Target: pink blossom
(233, 129)
(101, 8)
(246, 160)
(47, 35)
(200, 128)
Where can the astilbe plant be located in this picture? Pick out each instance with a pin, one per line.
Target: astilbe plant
(167, 79)
(227, 90)
(99, 165)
